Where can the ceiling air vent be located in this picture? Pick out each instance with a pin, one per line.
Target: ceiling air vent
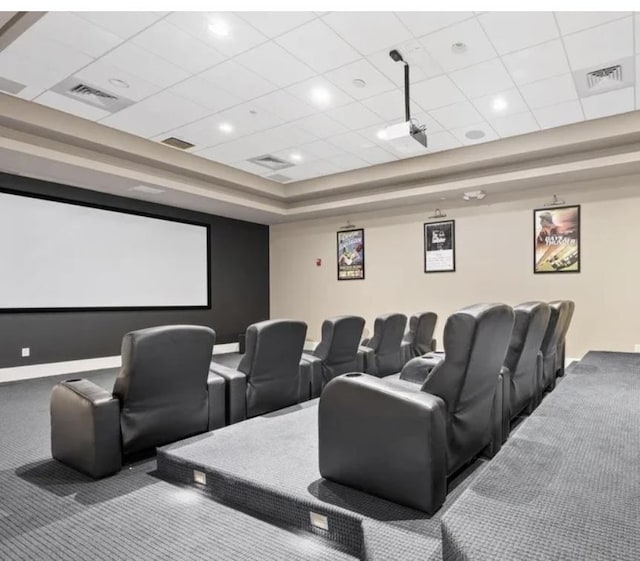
(270, 162)
(177, 143)
(91, 95)
(279, 177)
(614, 76)
(10, 86)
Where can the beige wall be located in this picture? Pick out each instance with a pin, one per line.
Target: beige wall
(494, 263)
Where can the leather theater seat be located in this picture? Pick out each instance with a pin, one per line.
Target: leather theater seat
(419, 339)
(561, 346)
(560, 311)
(382, 355)
(269, 376)
(163, 393)
(337, 352)
(400, 440)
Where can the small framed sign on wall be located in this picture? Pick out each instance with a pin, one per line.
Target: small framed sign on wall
(350, 254)
(556, 240)
(440, 247)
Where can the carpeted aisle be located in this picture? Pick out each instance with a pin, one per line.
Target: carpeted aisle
(48, 511)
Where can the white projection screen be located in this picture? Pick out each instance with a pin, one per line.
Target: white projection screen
(58, 255)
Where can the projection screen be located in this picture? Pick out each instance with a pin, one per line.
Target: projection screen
(59, 255)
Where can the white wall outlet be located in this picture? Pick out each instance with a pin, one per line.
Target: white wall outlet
(26, 351)
(636, 348)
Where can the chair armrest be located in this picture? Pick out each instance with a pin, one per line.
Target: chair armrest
(216, 386)
(315, 372)
(418, 369)
(368, 360)
(405, 349)
(384, 440)
(85, 428)
(235, 392)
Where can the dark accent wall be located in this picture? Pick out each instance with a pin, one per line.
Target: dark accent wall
(239, 280)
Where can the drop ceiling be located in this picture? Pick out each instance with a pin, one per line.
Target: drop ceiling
(239, 86)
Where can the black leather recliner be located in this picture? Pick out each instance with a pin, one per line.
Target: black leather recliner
(559, 313)
(561, 346)
(524, 359)
(164, 393)
(400, 441)
(419, 339)
(337, 352)
(269, 376)
(382, 354)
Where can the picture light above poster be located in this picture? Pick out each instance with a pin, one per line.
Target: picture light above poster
(439, 244)
(350, 253)
(556, 239)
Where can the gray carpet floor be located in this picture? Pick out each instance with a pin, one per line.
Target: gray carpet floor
(50, 512)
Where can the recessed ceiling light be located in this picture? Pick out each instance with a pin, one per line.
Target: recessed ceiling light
(359, 83)
(499, 104)
(321, 95)
(474, 195)
(459, 48)
(474, 134)
(225, 127)
(382, 134)
(118, 83)
(295, 157)
(219, 28)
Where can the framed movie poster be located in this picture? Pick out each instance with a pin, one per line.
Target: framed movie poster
(440, 247)
(556, 242)
(351, 254)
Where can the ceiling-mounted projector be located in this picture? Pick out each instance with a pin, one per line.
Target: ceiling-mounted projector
(405, 135)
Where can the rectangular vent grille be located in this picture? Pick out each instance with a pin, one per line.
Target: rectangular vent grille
(177, 143)
(279, 177)
(611, 73)
(89, 94)
(270, 162)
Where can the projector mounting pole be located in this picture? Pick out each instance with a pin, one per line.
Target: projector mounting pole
(397, 57)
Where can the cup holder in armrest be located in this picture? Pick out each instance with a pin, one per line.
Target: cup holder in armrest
(353, 374)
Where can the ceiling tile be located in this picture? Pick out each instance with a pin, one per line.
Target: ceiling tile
(500, 104)
(375, 155)
(275, 64)
(250, 167)
(389, 106)
(421, 63)
(512, 31)
(296, 155)
(442, 141)
(289, 135)
(77, 33)
(610, 103)
(456, 115)
(122, 24)
(376, 82)
(350, 141)
(241, 148)
(284, 105)
(247, 119)
(570, 22)
(354, 116)
(372, 135)
(421, 23)
(321, 126)
(550, 91)
(68, 105)
(305, 91)
(600, 45)
(137, 61)
(237, 80)
(178, 47)
(313, 169)
(99, 74)
(274, 23)
(489, 134)
(436, 92)
(29, 72)
(205, 93)
(347, 162)
(513, 125)
(316, 44)
(368, 32)
(470, 33)
(236, 34)
(320, 149)
(30, 92)
(161, 112)
(537, 63)
(203, 133)
(559, 115)
(482, 79)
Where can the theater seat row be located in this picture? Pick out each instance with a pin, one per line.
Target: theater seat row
(404, 436)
